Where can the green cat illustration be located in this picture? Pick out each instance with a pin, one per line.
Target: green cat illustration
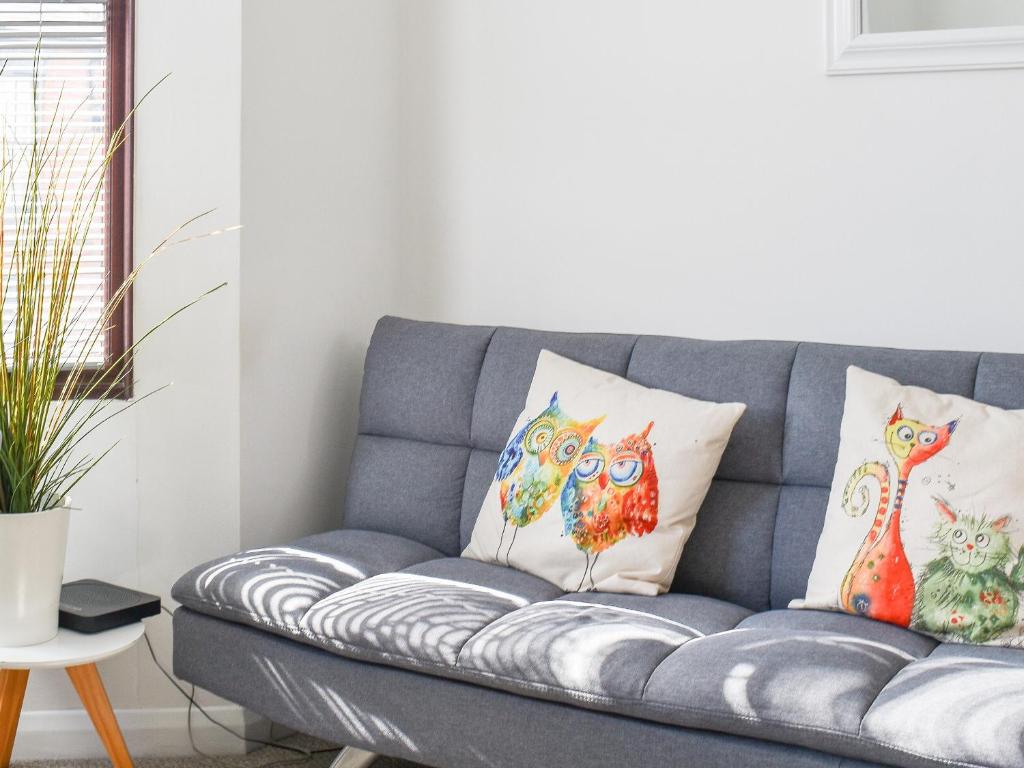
(966, 592)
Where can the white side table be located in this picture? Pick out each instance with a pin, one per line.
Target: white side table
(78, 654)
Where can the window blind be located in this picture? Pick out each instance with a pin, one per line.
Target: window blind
(72, 37)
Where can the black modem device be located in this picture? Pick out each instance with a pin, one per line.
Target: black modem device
(92, 606)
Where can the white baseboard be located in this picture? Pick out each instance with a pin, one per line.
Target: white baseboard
(68, 733)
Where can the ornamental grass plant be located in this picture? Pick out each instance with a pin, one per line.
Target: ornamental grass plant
(52, 394)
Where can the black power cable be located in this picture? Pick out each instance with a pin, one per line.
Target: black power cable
(304, 754)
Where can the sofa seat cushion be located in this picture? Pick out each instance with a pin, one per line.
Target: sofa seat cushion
(273, 587)
(963, 703)
(420, 617)
(805, 687)
(591, 647)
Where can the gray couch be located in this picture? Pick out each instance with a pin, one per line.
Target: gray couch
(378, 635)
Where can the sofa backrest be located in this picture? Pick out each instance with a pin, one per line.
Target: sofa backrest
(439, 401)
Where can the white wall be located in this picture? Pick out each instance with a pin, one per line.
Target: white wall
(167, 497)
(687, 168)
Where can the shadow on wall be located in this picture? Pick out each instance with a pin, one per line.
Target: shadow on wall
(425, 139)
(413, 281)
(334, 433)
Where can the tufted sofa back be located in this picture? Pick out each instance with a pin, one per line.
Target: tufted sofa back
(439, 401)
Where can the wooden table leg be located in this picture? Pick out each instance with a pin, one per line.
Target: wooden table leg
(12, 695)
(86, 679)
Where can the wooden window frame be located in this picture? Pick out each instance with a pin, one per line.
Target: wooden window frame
(118, 209)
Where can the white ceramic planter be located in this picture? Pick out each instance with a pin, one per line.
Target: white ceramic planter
(32, 549)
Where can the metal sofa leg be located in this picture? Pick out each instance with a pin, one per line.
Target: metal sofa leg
(350, 757)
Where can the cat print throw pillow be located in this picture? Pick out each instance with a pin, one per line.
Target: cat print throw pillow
(599, 485)
(925, 521)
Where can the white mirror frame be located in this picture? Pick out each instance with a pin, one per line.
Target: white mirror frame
(852, 52)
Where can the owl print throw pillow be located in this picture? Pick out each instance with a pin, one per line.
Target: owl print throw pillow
(599, 485)
(925, 521)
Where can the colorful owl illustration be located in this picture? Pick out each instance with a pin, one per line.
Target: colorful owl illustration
(611, 494)
(534, 465)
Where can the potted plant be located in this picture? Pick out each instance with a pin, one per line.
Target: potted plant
(51, 398)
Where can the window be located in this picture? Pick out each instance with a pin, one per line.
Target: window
(85, 66)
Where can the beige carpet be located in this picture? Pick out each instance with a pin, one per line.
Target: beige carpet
(268, 757)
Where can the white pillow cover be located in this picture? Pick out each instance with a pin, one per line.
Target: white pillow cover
(600, 483)
(925, 520)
